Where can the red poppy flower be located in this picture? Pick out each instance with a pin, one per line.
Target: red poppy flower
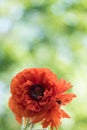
(38, 94)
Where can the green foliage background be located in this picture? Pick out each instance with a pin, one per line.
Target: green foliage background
(44, 33)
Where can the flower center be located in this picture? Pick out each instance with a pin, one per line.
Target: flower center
(36, 92)
(59, 102)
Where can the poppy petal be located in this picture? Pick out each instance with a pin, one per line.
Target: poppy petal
(64, 114)
(63, 85)
(65, 98)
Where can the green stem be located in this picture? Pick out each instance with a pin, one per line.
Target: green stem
(27, 125)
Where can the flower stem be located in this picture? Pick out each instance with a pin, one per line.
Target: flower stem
(26, 124)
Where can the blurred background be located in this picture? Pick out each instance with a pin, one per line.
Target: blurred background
(44, 33)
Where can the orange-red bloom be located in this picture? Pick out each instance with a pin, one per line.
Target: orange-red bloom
(38, 94)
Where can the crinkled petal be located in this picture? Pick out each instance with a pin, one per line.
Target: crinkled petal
(19, 119)
(39, 116)
(64, 114)
(63, 85)
(65, 98)
(52, 118)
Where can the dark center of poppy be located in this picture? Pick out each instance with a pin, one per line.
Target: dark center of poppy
(36, 92)
(59, 102)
